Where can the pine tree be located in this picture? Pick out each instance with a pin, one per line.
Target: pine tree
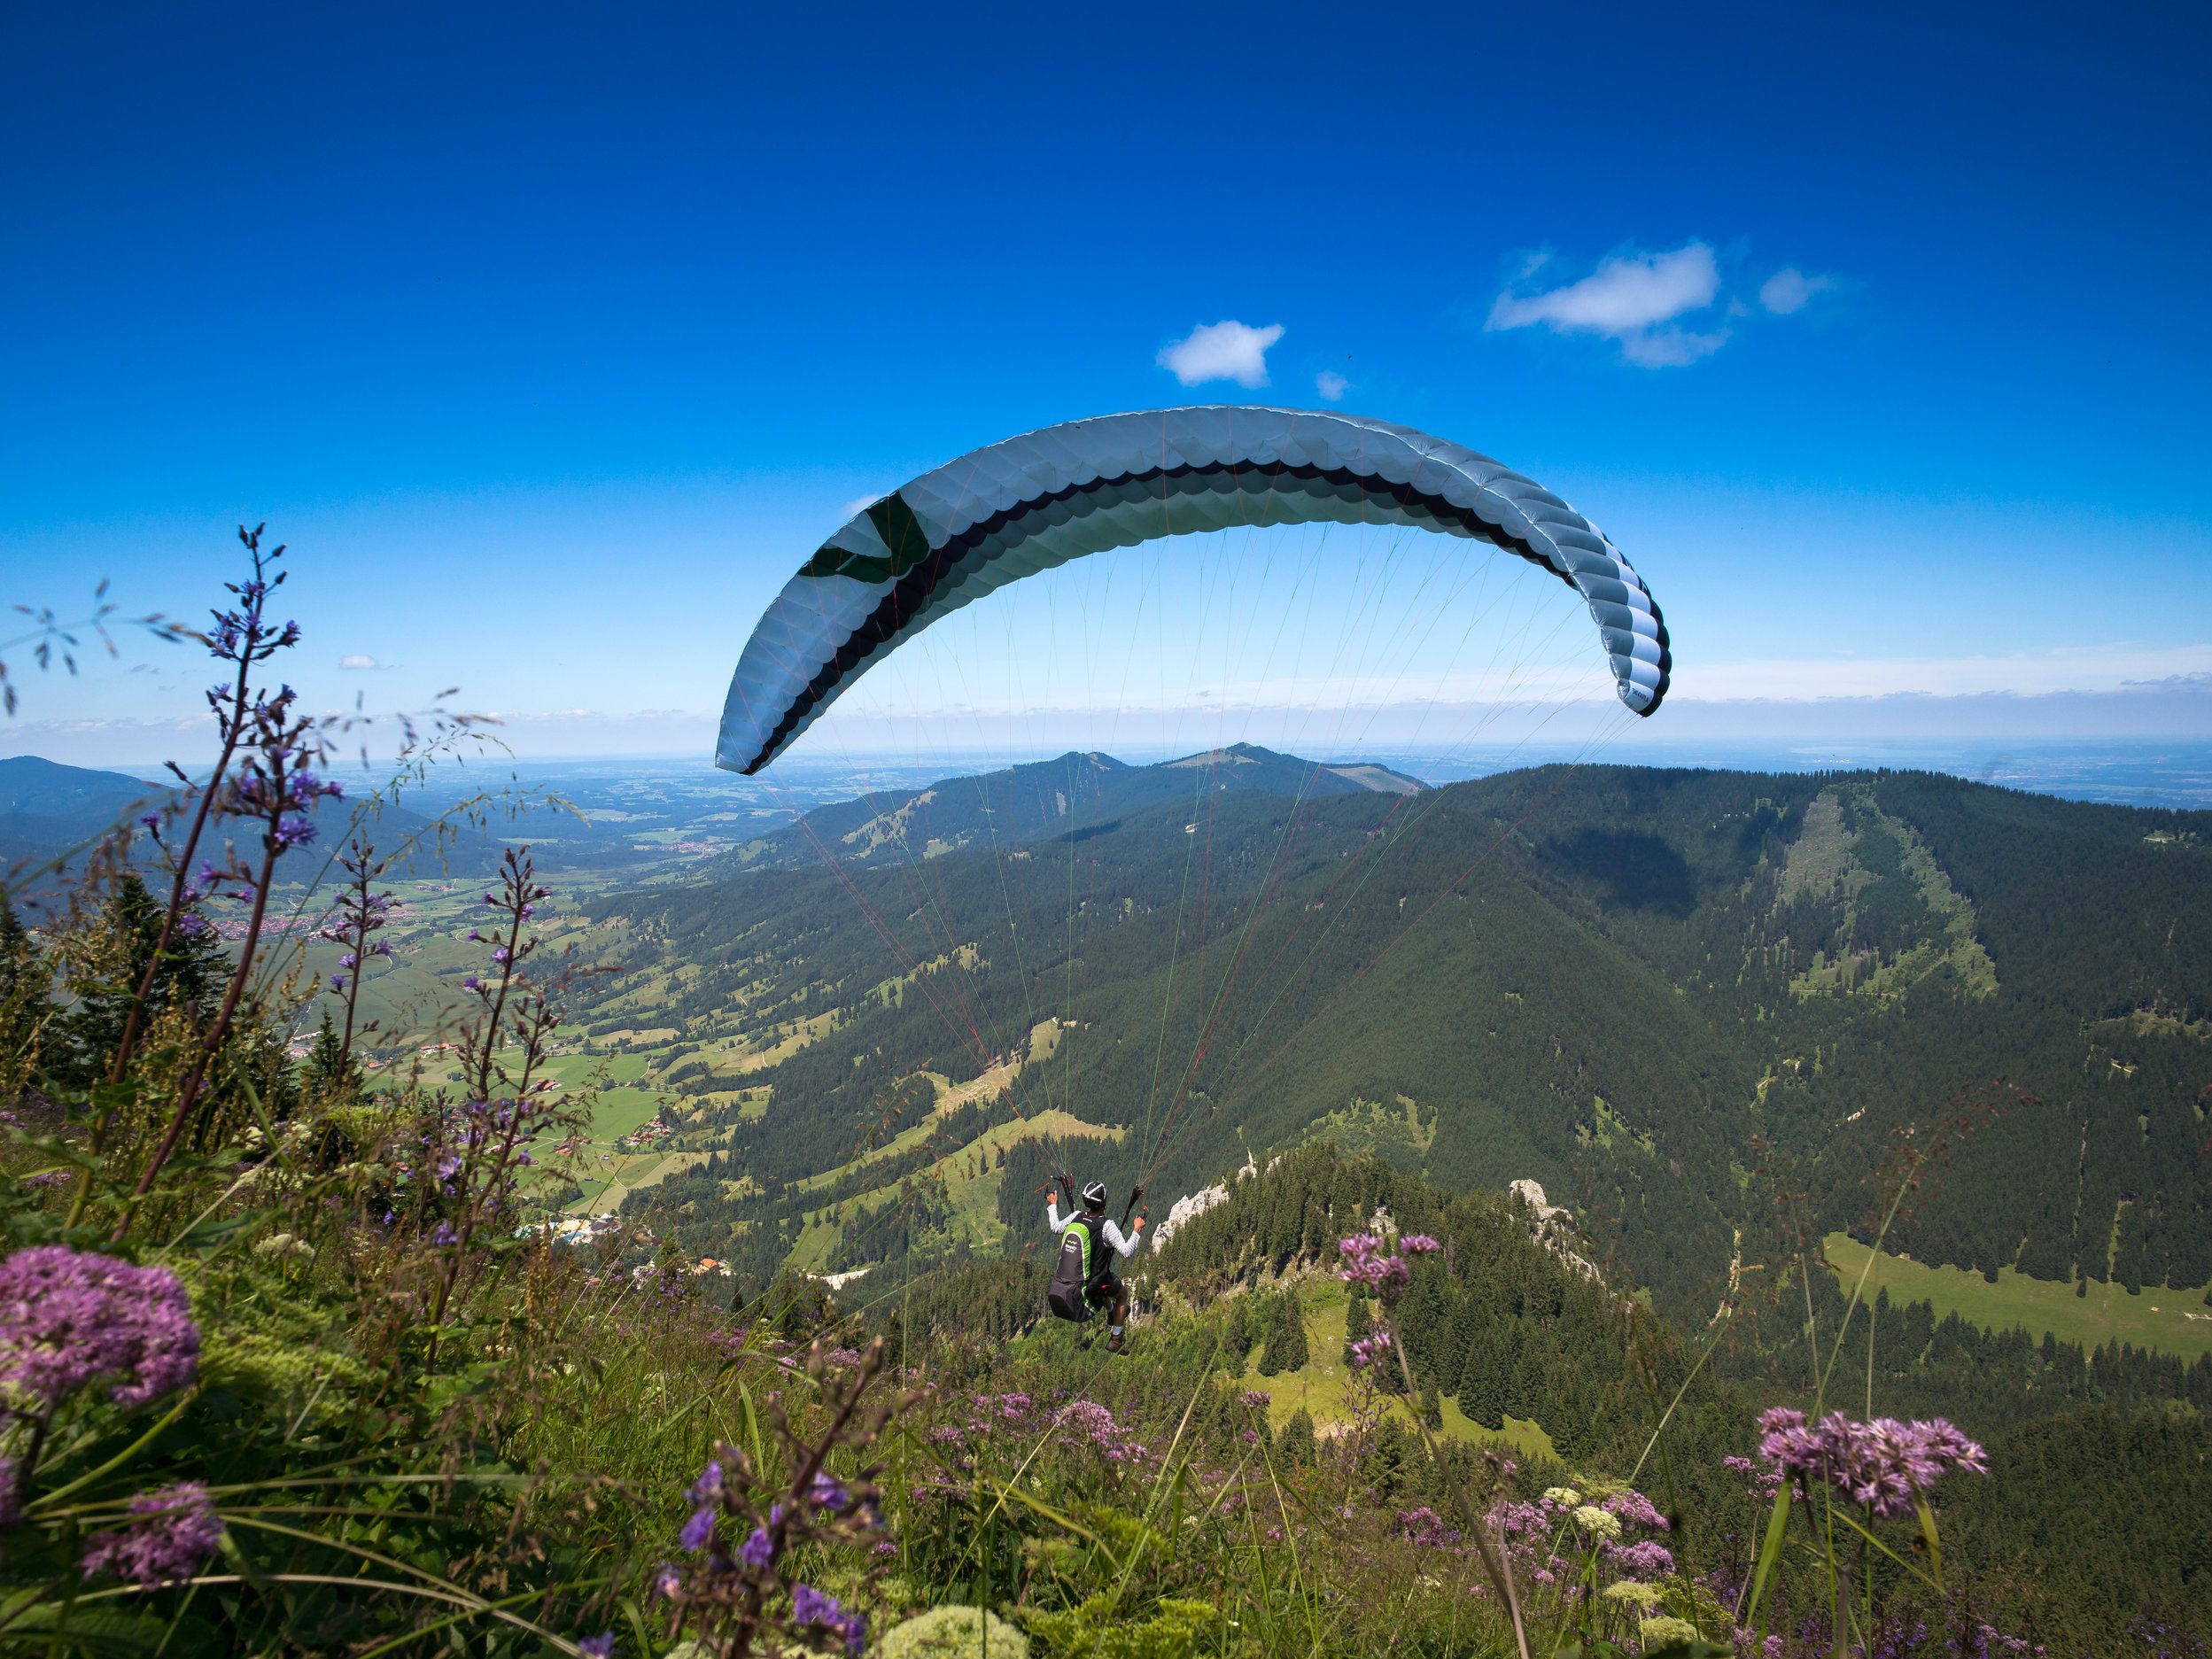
(1296, 1442)
(1357, 1323)
(1236, 1332)
(25, 1005)
(193, 969)
(1478, 1385)
(329, 1073)
(1286, 1349)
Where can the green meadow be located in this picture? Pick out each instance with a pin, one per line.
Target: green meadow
(2176, 1322)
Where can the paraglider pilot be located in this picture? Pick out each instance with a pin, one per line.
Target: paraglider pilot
(1084, 1280)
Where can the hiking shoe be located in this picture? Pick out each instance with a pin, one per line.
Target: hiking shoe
(1115, 1343)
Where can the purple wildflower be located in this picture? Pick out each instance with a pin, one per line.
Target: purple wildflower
(825, 1493)
(1634, 1509)
(1884, 1466)
(810, 1606)
(599, 1646)
(170, 1535)
(1365, 1262)
(471, 983)
(1258, 1399)
(696, 1530)
(1418, 1244)
(1646, 1559)
(295, 831)
(69, 1320)
(1424, 1526)
(1370, 1349)
(1760, 1483)
(758, 1550)
(708, 1487)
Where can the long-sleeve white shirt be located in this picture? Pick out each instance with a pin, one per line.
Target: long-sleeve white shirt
(1109, 1229)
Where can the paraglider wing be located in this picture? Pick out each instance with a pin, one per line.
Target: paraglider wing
(1032, 502)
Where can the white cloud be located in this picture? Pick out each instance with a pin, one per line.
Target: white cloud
(357, 659)
(1222, 351)
(1790, 290)
(1332, 386)
(1671, 347)
(859, 505)
(1631, 298)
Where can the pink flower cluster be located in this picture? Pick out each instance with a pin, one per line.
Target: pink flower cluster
(1093, 1422)
(1370, 1349)
(69, 1320)
(170, 1535)
(1884, 1466)
(1760, 1484)
(1367, 1262)
(1531, 1530)
(1425, 1528)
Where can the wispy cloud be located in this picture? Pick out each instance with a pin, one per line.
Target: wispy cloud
(1222, 351)
(1789, 290)
(1332, 386)
(1633, 298)
(358, 660)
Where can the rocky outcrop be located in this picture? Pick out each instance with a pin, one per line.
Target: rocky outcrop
(1552, 1225)
(1185, 1210)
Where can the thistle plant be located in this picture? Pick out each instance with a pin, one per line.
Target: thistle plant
(241, 637)
(276, 788)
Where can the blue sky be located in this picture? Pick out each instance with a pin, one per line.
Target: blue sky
(553, 338)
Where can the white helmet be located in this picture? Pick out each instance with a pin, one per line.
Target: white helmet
(1094, 1196)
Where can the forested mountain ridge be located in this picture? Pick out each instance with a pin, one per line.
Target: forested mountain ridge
(1636, 986)
(1078, 794)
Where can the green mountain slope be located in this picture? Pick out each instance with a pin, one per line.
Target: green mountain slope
(1634, 986)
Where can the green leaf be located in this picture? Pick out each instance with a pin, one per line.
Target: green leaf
(1769, 1556)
